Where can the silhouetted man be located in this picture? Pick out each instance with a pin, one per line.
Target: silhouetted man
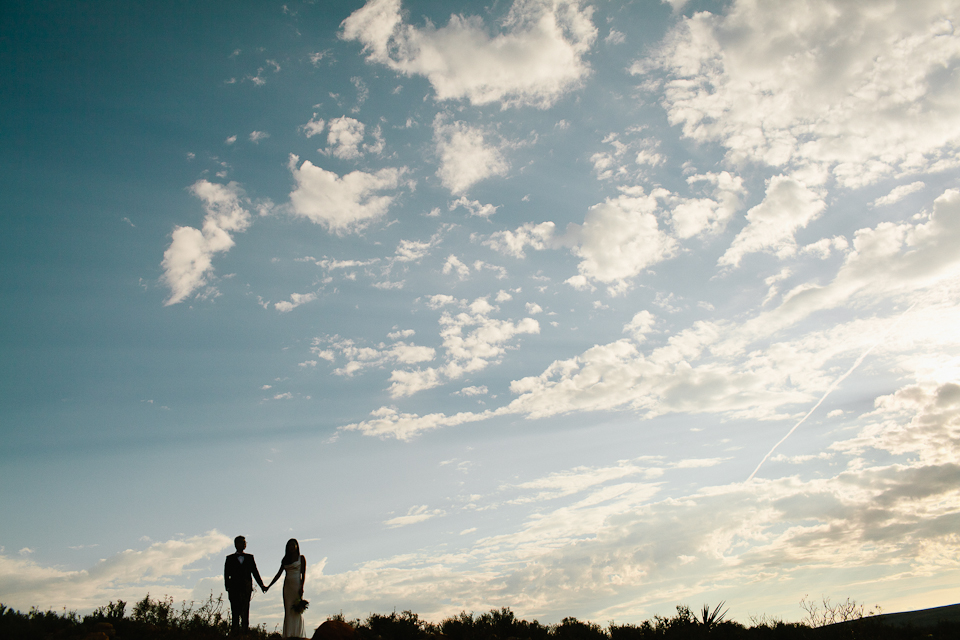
(239, 571)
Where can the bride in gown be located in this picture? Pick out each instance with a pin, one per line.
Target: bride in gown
(295, 566)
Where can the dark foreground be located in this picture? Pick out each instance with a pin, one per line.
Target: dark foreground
(160, 619)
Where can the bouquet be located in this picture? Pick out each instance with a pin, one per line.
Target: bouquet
(300, 606)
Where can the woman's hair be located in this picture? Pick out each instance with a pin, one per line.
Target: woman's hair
(292, 553)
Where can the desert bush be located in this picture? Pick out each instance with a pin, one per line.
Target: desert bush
(497, 624)
(109, 612)
(709, 624)
(827, 612)
(161, 620)
(460, 627)
(149, 619)
(573, 629)
(35, 623)
(403, 626)
(209, 617)
(158, 613)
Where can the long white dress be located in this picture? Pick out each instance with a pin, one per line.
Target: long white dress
(292, 621)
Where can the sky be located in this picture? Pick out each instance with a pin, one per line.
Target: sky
(581, 308)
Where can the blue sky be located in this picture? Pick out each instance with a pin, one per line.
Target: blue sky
(578, 308)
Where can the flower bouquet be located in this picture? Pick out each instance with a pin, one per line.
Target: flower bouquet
(300, 606)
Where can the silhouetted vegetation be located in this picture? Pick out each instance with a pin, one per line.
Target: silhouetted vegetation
(150, 619)
(161, 619)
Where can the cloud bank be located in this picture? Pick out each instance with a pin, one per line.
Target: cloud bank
(535, 59)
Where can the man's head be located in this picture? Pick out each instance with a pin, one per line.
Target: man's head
(240, 543)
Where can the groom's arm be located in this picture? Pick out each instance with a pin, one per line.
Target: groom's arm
(256, 574)
(226, 574)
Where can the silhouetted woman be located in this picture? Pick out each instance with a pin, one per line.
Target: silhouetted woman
(296, 567)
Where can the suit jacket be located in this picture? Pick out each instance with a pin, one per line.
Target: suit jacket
(238, 576)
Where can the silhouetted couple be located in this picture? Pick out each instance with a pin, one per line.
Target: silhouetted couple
(239, 572)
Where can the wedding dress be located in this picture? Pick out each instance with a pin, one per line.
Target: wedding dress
(292, 621)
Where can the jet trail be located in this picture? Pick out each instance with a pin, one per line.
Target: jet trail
(833, 386)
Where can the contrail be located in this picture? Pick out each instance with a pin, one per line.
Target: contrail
(833, 386)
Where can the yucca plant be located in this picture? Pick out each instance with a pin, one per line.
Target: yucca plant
(709, 618)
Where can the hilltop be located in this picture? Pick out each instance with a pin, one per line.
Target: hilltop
(159, 619)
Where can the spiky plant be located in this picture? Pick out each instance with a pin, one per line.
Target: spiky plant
(709, 618)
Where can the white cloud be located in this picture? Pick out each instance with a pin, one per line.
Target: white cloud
(615, 37)
(565, 483)
(887, 259)
(609, 530)
(378, 144)
(640, 325)
(615, 165)
(621, 237)
(465, 158)
(472, 340)
(362, 92)
(409, 353)
(345, 137)
(332, 265)
(189, 258)
(536, 236)
(536, 58)
(414, 515)
(387, 422)
(407, 383)
(932, 433)
(787, 206)
(440, 300)
(126, 575)
(455, 265)
(648, 155)
(824, 247)
(257, 136)
(342, 204)
(230, 140)
(314, 127)
(618, 239)
(473, 391)
(735, 369)
(474, 207)
(692, 216)
(863, 91)
(296, 299)
(899, 193)
(413, 250)
(480, 265)
(363, 357)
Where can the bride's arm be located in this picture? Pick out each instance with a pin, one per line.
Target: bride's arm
(276, 577)
(303, 573)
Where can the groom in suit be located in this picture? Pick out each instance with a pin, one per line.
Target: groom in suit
(239, 571)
